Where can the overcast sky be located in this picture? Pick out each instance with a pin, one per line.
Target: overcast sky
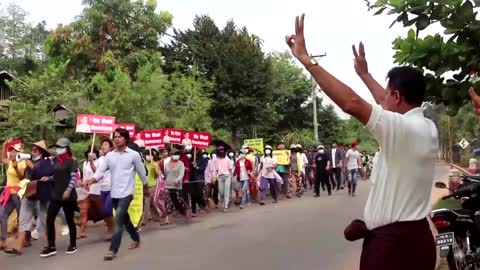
(330, 27)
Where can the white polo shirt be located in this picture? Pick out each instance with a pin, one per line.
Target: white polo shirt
(404, 172)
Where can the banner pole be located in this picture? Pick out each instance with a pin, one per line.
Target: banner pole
(194, 154)
(93, 143)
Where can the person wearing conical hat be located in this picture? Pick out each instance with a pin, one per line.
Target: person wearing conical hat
(36, 194)
(10, 200)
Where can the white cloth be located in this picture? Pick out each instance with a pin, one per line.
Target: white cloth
(267, 167)
(243, 171)
(105, 181)
(405, 169)
(88, 174)
(352, 159)
(334, 153)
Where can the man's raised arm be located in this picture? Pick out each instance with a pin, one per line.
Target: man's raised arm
(361, 67)
(349, 101)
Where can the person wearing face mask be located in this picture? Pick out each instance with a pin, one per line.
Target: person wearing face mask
(188, 187)
(268, 175)
(235, 186)
(92, 195)
(243, 172)
(64, 197)
(184, 157)
(37, 167)
(223, 171)
(321, 167)
(197, 183)
(105, 196)
(10, 200)
(150, 210)
(174, 173)
(296, 167)
(161, 196)
(211, 181)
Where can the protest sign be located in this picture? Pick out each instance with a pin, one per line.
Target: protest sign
(256, 144)
(96, 124)
(135, 210)
(282, 156)
(130, 127)
(173, 135)
(153, 138)
(200, 140)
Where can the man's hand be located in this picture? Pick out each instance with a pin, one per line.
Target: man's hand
(88, 183)
(475, 100)
(297, 42)
(91, 157)
(66, 194)
(44, 179)
(360, 62)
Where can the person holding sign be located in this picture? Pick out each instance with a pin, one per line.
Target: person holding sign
(122, 163)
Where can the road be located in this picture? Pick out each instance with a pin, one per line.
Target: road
(299, 234)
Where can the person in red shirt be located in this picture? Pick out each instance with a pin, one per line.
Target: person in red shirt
(186, 177)
(243, 171)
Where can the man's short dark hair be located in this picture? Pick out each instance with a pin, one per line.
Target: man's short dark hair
(409, 82)
(124, 133)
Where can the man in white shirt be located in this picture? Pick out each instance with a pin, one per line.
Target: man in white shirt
(396, 231)
(353, 165)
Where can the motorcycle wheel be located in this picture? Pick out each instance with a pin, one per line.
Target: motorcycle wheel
(456, 257)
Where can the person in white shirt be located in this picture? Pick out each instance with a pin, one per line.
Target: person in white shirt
(353, 165)
(86, 196)
(396, 231)
(267, 175)
(106, 146)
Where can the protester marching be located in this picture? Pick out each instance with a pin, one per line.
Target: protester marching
(152, 176)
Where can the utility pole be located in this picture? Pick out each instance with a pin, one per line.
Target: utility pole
(314, 101)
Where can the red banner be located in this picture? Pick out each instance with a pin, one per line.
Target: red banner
(130, 127)
(152, 138)
(92, 123)
(173, 135)
(200, 140)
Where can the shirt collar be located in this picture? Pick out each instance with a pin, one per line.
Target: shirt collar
(415, 112)
(125, 151)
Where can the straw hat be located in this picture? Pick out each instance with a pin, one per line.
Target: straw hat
(43, 146)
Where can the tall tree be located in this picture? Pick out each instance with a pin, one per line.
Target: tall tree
(234, 60)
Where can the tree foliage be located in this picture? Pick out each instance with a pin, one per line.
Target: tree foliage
(456, 51)
(110, 61)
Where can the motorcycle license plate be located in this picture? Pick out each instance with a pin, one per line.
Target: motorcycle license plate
(444, 239)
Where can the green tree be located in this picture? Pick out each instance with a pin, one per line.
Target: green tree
(459, 54)
(37, 97)
(234, 60)
(353, 130)
(153, 99)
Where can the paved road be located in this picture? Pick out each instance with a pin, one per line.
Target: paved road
(302, 234)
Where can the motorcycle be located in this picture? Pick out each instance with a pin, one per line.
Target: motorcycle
(458, 232)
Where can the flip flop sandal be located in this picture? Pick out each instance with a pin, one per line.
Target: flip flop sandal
(134, 245)
(165, 223)
(12, 251)
(27, 244)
